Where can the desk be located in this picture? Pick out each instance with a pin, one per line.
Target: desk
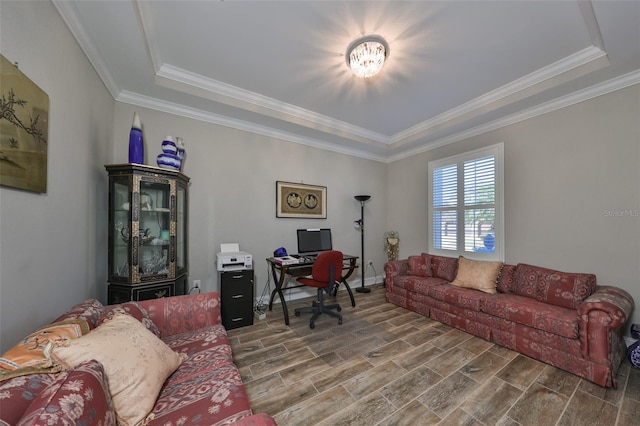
(279, 273)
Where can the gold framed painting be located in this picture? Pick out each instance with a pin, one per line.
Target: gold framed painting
(24, 130)
(299, 200)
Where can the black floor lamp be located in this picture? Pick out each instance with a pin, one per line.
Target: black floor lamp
(359, 224)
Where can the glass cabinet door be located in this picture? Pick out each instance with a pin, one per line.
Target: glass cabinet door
(181, 232)
(151, 231)
(120, 219)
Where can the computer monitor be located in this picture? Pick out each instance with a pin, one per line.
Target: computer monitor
(314, 241)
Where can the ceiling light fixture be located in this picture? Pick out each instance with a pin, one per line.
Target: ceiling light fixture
(366, 56)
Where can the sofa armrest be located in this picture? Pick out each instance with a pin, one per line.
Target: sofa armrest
(179, 314)
(614, 301)
(394, 269)
(602, 316)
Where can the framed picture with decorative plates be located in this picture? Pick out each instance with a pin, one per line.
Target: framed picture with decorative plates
(298, 200)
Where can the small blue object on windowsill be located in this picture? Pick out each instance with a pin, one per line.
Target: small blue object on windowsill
(489, 245)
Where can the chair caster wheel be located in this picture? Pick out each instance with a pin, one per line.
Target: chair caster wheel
(339, 308)
(312, 325)
(339, 322)
(297, 314)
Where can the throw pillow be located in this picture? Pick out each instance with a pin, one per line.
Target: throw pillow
(478, 275)
(419, 266)
(444, 267)
(77, 397)
(90, 310)
(558, 288)
(130, 308)
(506, 278)
(31, 356)
(135, 361)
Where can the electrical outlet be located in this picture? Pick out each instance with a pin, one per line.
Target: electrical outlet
(196, 283)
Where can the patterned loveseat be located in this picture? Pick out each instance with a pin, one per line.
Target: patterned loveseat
(204, 389)
(562, 319)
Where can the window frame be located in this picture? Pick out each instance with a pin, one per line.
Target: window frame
(497, 151)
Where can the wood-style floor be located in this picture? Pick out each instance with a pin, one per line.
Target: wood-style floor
(386, 365)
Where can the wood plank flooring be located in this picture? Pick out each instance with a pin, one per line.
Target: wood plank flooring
(387, 366)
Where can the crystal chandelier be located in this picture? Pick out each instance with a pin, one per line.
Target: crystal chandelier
(366, 56)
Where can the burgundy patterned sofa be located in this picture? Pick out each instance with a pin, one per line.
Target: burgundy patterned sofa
(206, 388)
(562, 319)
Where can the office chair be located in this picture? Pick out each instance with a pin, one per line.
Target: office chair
(325, 273)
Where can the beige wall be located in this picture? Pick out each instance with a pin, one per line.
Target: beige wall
(563, 172)
(566, 174)
(232, 194)
(52, 246)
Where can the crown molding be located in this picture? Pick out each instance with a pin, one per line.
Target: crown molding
(609, 86)
(148, 26)
(246, 126)
(510, 92)
(255, 102)
(69, 16)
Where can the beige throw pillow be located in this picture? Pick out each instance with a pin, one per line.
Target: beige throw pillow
(135, 361)
(478, 275)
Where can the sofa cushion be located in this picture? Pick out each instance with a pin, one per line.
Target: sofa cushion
(18, 393)
(417, 284)
(557, 288)
(130, 308)
(30, 355)
(216, 394)
(77, 397)
(477, 275)
(506, 278)
(420, 266)
(90, 310)
(462, 297)
(203, 349)
(532, 313)
(136, 363)
(444, 267)
(207, 353)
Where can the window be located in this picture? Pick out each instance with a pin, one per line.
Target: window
(466, 204)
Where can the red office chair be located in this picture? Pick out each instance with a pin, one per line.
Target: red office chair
(326, 271)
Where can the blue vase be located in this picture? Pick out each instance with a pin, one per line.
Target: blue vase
(136, 143)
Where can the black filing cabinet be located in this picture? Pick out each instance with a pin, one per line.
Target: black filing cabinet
(236, 298)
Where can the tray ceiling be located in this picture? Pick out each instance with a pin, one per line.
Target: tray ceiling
(278, 67)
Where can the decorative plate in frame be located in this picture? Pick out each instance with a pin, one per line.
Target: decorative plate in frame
(299, 200)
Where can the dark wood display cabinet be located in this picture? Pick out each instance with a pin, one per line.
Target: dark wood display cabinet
(236, 298)
(147, 232)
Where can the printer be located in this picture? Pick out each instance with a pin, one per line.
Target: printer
(231, 258)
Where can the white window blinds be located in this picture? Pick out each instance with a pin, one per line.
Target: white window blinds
(466, 204)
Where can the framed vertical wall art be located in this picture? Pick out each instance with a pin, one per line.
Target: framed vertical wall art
(299, 200)
(24, 130)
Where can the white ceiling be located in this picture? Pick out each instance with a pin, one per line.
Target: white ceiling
(455, 68)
